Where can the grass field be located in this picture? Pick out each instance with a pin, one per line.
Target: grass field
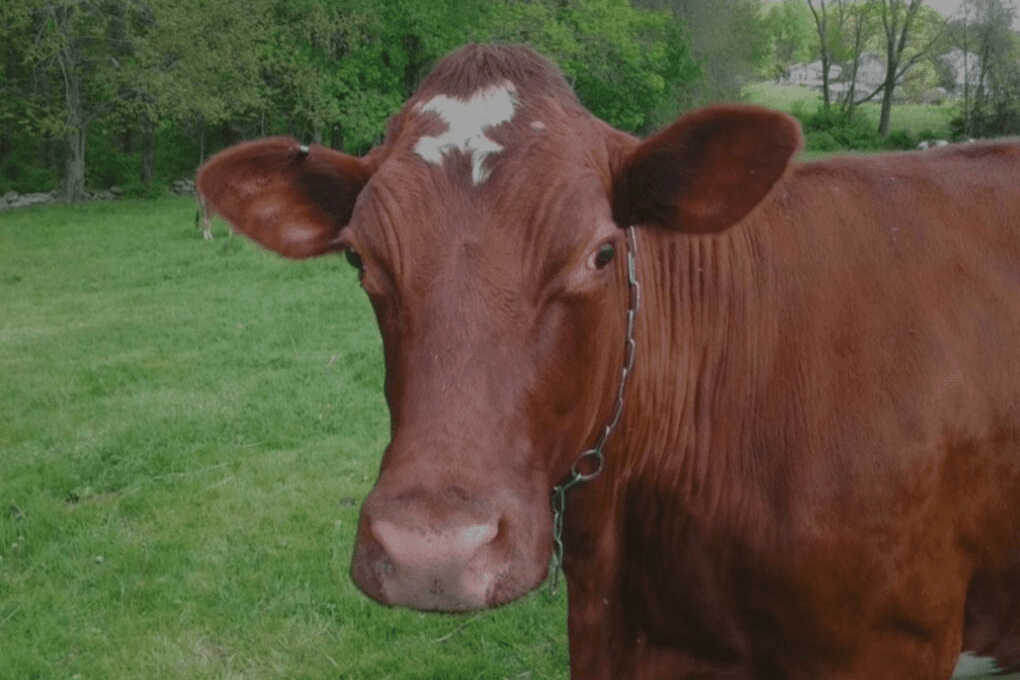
(188, 430)
(913, 118)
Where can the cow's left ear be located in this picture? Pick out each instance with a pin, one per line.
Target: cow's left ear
(289, 198)
(706, 171)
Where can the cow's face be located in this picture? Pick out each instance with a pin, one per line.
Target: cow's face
(495, 335)
(486, 232)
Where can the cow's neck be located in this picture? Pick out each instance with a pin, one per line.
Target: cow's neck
(704, 339)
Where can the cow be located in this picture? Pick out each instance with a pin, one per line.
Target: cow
(766, 413)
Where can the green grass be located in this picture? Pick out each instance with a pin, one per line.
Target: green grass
(188, 430)
(912, 118)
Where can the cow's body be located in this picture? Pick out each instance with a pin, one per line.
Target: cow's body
(834, 456)
(816, 473)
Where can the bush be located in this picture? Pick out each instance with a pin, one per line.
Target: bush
(107, 164)
(821, 141)
(998, 118)
(831, 131)
(902, 139)
(24, 169)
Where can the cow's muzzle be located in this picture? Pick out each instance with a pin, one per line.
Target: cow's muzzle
(428, 552)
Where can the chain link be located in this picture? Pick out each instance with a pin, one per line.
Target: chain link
(594, 457)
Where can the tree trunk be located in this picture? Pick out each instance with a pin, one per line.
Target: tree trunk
(148, 151)
(888, 89)
(821, 26)
(76, 123)
(7, 131)
(895, 42)
(966, 95)
(849, 104)
(6, 142)
(826, 98)
(74, 165)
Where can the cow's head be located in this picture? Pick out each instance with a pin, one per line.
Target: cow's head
(487, 233)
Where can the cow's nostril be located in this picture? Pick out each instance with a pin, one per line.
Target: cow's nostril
(410, 547)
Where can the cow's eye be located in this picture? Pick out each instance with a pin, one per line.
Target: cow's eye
(605, 255)
(354, 259)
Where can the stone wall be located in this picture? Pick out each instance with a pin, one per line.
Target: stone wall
(12, 199)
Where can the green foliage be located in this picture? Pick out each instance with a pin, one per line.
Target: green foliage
(901, 140)
(22, 171)
(831, 131)
(203, 60)
(992, 105)
(627, 65)
(791, 32)
(208, 74)
(633, 69)
(730, 40)
(827, 132)
(999, 117)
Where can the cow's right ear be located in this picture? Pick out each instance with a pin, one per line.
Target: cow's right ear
(289, 198)
(706, 171)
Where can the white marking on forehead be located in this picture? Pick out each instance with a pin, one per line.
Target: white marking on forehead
(467, 121)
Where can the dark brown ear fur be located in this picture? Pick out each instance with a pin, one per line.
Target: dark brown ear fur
(706, 171)
(288, 198)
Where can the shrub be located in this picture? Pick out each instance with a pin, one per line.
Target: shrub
(831, 131)
(25, 169)
(822, 141)
(902, 139)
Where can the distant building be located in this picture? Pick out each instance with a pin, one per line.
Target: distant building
(870, 75)
(952, 63)
(809, 75)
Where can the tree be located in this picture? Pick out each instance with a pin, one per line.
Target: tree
(897, 21)
(828, 25)
(991, 104)
(862, 27)
(789, 25)
(16, 84)
(71, 53)
(392, 46)
(138, 73)
(199, 65)
(628, 65)
(729, 39)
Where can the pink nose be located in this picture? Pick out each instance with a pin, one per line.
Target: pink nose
(454, 567)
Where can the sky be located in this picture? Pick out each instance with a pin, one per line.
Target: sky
(944, 7)
(948, 7)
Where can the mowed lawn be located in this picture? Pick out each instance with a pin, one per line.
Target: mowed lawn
(187, 431)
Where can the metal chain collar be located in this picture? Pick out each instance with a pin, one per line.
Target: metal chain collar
(593, 457)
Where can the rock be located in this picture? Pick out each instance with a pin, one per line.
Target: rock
(33, 199)
(183, 187)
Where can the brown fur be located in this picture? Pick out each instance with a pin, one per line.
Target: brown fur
(817, 471)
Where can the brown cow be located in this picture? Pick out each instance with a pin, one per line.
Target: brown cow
(816, 473)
